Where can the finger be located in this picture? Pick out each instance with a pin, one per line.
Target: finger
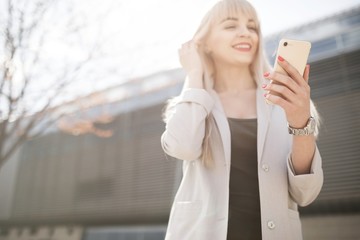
(306, 73)
(291, 70)
(278, 100)
(186, 44)
(193, 45)
(280, 78)
(280, 90)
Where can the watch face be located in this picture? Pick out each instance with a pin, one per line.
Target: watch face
(312, 124)
(309, 129)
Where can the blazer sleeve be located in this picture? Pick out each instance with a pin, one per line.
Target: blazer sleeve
(305, 188)
(185, 129)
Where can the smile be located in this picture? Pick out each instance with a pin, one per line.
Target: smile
(245, 47)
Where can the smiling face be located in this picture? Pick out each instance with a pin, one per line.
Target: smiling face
(233, 40)
(230, 35)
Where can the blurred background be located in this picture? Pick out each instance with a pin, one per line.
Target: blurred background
(82, 88)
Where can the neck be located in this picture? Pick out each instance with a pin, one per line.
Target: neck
(234, 79)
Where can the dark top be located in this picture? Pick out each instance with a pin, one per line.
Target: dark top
(244, 201)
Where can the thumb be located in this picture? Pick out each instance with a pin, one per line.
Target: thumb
(306, 73)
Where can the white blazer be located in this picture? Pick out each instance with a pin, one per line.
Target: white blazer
(200, 207)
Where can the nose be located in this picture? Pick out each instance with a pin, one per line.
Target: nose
(243, 31)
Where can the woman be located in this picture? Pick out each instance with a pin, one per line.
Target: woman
(243, 173)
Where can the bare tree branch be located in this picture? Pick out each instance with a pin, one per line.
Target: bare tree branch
(23, 118)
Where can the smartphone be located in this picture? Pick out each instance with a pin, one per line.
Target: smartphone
(296, 52)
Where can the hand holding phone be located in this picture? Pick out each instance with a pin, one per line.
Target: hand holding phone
(296, 52)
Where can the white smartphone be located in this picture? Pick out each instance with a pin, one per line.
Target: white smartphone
(296, 52)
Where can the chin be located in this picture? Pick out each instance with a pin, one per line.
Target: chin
(243, 61)
(239, 60)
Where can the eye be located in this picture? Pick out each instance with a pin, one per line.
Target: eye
(230, 27)
(253, 28)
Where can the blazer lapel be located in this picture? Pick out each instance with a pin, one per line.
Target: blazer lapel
(263, 115)
(223, 126)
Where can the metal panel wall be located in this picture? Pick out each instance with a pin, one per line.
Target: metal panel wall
(336, 91)
(125, 178)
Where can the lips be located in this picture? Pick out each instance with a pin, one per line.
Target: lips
(243, 46)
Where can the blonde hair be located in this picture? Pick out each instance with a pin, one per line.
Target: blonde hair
(222, 10)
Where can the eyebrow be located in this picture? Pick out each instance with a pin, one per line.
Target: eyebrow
(229, 19)
(235, 19)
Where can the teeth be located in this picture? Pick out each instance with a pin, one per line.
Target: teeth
(242, 46)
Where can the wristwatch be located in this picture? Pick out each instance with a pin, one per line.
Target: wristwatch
(306, 131)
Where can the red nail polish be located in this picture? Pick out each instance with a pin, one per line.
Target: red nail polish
(266, 74)
(264, 86)
(280, 58)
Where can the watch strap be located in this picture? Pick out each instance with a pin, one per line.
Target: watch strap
(306, 131)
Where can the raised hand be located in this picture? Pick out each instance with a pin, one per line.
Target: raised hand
(291, 92)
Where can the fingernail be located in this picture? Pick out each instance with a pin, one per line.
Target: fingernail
(266, 74)
(264, 86)
(265, 94)
(281, 59)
